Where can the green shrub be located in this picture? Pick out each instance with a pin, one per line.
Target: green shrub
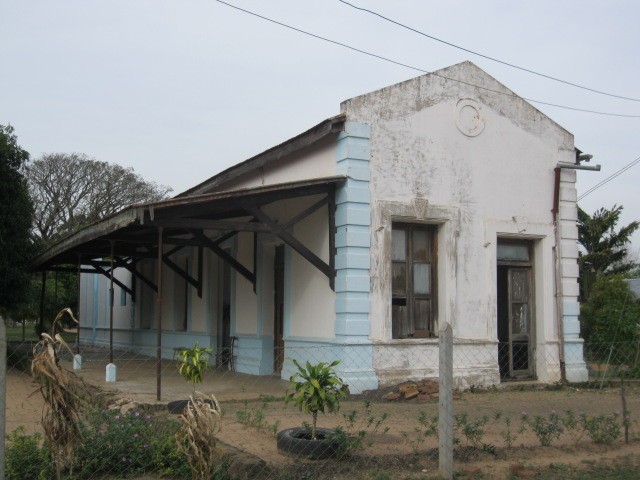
(128, 444)
(603, 429)
(545, 429)
(26, 458)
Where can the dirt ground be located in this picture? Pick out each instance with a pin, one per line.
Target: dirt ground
(396, 448)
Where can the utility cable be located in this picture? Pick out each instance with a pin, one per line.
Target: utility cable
(493, 59)
(444, 77)
(609, 178)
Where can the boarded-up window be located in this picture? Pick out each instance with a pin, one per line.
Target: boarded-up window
(413, 281)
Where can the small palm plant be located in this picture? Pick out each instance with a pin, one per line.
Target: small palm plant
(316, 388)
(192, 362)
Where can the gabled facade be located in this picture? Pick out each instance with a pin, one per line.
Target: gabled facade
(442, 203)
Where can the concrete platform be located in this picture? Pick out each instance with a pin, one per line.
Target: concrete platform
(137, 378)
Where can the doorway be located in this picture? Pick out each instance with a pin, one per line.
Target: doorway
(515, 310)
(278, 314)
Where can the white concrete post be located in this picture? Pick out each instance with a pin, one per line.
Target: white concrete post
(445, 405)
(111, 374)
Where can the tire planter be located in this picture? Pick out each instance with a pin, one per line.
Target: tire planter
(297, 441)
(177, 407)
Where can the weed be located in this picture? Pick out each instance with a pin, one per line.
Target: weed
(256, 418)
(427, 427)
(546, 429)
(573, 425)
(26, 458)
(509, 435)
(604, 429)
(473, 431)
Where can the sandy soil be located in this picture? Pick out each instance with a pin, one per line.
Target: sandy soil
(393, 449)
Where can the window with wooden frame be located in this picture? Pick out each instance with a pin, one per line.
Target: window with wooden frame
(413, 285)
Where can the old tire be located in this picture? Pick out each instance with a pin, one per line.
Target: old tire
(177, 406)
(297, 441)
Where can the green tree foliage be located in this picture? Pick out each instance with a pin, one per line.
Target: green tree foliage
(605, 247)
(71, 191)
(612, 312)
(15, 222)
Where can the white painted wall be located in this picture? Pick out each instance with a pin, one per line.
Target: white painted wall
(312, 300)
(246, 305)
(316, 161)
(478, 188)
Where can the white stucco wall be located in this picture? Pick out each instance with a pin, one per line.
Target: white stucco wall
(246, 304)
(316, 161)
(312, 300)
(498, 183)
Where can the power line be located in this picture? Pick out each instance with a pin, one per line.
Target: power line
(493, 59)
(609, 178)
(444, 77)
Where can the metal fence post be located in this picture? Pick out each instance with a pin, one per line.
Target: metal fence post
(445, 405)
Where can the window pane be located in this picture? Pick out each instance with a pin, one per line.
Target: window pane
(519, 318)
(399, 282)
(399, 242)
(513, 252)
(422, 278)
(519, 286)
(421, 245)
(422, 314)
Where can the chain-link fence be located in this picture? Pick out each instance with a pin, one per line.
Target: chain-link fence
(501, 401)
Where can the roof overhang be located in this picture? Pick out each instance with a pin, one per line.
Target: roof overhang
(134, 229)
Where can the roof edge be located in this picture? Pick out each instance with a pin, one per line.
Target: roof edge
(316, 133)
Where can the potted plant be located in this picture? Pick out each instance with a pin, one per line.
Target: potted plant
(192, 362)
(313, 389)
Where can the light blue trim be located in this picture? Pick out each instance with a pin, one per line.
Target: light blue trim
(571, 308)
(355, 367)
(254, 355)
(352, 346)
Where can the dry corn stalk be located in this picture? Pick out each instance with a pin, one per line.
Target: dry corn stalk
(197, 435)
(60, 391)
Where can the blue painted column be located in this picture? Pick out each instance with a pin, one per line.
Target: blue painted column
(352, 263)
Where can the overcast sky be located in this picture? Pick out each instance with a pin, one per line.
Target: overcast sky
(180, 90)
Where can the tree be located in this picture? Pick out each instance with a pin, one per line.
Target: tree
(71, 191)
(611, 313)
(15, 222)
(605, 249)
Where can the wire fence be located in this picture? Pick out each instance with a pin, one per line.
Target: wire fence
(503, 397)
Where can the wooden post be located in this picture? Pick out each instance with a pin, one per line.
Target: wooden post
(159, 317)
(445, 405)
(42, 292)
(79, 301)
(112, 243)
